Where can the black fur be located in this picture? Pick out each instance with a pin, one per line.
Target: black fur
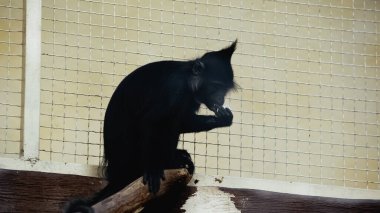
(149, 110)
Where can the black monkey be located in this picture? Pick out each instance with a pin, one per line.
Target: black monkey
(149, 110)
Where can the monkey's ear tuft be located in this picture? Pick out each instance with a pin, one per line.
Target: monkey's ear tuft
(198, 67)
(228, 51)
(195, 81)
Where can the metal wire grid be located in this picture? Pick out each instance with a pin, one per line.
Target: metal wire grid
(287, 125)
(300, 152)
(11, 53)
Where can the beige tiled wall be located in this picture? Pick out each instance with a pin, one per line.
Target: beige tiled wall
(11, 52)
(307, 110)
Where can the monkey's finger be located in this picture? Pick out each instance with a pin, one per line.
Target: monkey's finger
(229, 112)
(163, 176)
(145, 179)
(223, 112)
(155, 185)
(226, 112)
(150, 187)
(219, 112)
(190, 167)
(157, 188)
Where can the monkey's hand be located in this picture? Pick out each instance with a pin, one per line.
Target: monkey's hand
(153, 178)
(183, 158)
(224, 116)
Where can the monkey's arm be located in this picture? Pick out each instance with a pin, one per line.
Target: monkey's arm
(158, 128)
(199, 123)
(152, 147)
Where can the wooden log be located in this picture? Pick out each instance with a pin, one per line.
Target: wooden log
(136, 194)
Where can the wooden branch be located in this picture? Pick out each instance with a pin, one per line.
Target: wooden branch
(136, 194)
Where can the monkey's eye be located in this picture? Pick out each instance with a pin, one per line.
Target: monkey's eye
(218, 84)
(224, 86)
(215, 90)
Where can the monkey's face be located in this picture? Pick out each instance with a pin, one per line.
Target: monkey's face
(212, 77)
(212, 95)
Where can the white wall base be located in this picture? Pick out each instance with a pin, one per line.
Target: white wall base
(285, 187)
(51, 167)
(206, 180)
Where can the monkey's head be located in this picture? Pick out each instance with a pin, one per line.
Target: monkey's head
(212, 77)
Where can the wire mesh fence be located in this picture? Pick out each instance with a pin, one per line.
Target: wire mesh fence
(11, 63)
(308, 104)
